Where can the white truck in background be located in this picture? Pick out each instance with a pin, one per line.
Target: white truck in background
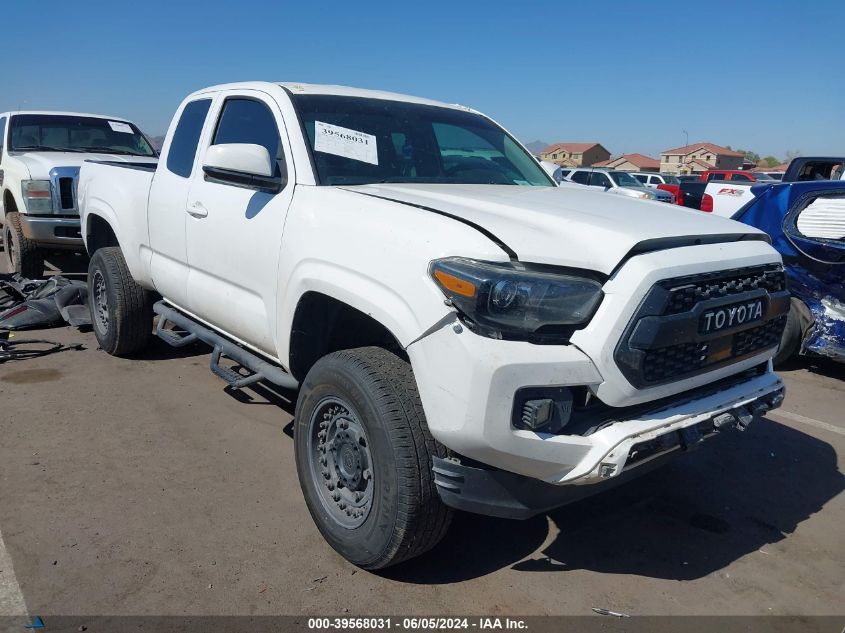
(40, 156)
(463, 333)
(729, 197)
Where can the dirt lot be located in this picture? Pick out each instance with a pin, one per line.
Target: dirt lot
(144, 487)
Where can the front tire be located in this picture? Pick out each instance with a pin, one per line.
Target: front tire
(364, 457)
(121, 310)
(22, 253)
(790, 341)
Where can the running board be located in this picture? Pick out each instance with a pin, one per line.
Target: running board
(260, 368)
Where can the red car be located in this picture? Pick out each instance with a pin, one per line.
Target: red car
(734, 175)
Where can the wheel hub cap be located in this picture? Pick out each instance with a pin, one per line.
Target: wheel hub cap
(341, 463)
(101, 301)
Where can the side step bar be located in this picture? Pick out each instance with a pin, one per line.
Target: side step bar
(261, 369)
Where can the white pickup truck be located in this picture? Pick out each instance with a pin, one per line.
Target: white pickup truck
(462, 332)
(729, 197)
(40, 156)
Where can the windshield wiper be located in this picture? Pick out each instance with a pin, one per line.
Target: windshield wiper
(108, 150)
(45, 148)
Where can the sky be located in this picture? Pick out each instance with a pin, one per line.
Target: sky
(762, 76)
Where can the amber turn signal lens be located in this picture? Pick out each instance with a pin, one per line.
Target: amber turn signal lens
(455, 284)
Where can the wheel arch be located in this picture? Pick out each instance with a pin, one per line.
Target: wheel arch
(323, 324)
(10, 205)
(99, 233)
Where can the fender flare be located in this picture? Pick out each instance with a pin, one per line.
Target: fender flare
(354, 289)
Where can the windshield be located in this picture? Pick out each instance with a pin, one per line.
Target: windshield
(624, 179)
(356, 140)
(670, 180)
(70, 133)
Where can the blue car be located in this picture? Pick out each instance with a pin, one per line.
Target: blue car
(806, 221)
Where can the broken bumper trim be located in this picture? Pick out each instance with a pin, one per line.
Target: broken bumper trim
(480, 489)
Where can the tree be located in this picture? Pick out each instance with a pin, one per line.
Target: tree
(754, 157)
(792, 153)
(769, 161)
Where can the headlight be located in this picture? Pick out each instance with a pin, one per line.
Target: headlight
(37, 196)
(501, 301)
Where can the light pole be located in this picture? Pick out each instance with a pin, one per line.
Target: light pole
(686, 135)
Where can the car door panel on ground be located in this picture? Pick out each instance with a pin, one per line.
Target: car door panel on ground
(166, 205)
(234, 232)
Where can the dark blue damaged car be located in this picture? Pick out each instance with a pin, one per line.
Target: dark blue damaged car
(806, 221)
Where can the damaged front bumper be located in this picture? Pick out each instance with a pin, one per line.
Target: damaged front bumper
(619, 452)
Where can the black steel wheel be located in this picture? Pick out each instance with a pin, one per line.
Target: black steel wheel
(364, 457)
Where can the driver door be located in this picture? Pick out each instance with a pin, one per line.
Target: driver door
(234, 231)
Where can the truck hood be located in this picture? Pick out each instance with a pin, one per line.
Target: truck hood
(565, 226)
(39, 164)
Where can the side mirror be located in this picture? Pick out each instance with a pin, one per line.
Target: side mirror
(243, 164)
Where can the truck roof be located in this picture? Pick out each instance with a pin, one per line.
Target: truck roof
(328, 89)
(62, 113)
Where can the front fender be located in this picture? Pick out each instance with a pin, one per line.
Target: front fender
(366, 294)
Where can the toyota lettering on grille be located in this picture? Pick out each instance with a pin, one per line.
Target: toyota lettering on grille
(730, 316)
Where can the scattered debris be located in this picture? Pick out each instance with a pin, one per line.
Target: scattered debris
(262, 587)
(320, 579)
(37, 623)
(615, 614)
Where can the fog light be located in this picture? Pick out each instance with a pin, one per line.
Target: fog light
(537, 413)
(545, 409)
(607, 470)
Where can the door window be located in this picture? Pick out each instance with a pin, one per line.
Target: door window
(183, 147)
(641, 178)
(581, 177)
(2, 136)
(245, 120)
(598, 179)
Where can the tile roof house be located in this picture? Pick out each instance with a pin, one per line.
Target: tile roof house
(699, 157)
(631, 162)
(574, 154)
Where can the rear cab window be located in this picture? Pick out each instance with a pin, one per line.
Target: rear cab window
(183, 146)
(2, 138)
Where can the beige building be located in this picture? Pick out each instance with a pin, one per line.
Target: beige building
(575, 154)
(698, 157)
(631, 162)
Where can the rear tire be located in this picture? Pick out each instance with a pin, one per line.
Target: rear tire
(22, 253)
(121, 310)
(364, 458)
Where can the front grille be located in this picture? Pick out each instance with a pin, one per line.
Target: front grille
(759, 338)
(685, 292)
(66, 197)
(665, 362)
(664, 341)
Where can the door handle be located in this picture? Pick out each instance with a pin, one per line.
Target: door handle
(197, 210)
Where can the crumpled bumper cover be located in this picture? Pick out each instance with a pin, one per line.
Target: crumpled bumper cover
(627, 449)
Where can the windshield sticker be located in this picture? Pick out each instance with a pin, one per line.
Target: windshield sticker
(117, 126)
(341, 141)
